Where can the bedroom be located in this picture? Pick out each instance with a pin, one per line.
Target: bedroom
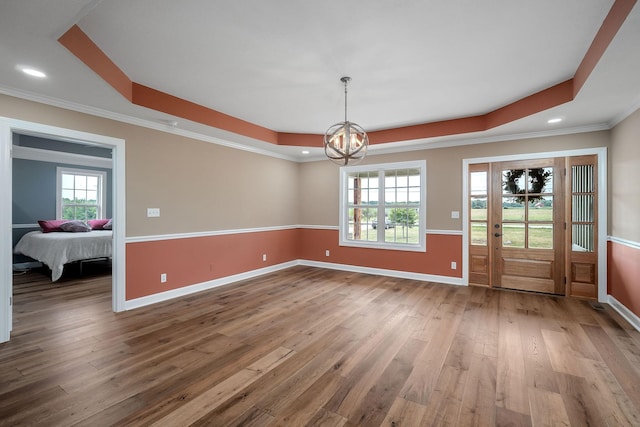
(39, 169)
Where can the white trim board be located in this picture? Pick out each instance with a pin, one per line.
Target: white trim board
(623, 311)
(199, 287)
(447, 280)
(625, 242)
(149, 124)
(211, 284)
(51, 156)
(378, 149)
(160, 237)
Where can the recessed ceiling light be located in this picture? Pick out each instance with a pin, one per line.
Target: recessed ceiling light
(305, 151)
(554, 120)
(33, 72)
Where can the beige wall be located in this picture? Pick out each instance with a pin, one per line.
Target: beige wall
(320, 180)
(198, 186)
(624, 180)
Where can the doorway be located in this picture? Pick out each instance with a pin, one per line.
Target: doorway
(9, 127)
(532, 225)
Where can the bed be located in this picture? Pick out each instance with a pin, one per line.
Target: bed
(57, 249)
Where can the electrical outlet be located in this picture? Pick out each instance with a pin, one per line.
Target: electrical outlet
(326, 253)
(454, 265)
(163, 278)
(264, 257)
(455, 214)
(153, 212)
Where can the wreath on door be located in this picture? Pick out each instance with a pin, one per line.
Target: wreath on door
(538, 178)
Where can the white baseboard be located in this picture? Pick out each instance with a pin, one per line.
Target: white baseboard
(384, 272)
(623, 311)
(199, 287)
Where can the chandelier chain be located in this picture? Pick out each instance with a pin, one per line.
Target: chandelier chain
(345, 80)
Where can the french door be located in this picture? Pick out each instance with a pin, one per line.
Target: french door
(533, 226)
(528, 225)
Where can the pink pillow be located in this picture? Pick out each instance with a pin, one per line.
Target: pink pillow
(51, 225)
(97, 224)
(75, 227)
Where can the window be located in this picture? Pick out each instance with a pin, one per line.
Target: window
(80, 194)
(383, 206)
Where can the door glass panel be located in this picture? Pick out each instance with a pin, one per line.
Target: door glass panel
(513, 181)
(582, 208)
(582, 238)
(582, 179)
(513, 235)
(479, 233)
(541, 209)
(512, 209)
(478, 183)
(540, 180)
(541, 236)
(479, 208)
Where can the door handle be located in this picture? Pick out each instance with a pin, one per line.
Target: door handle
(497, 234)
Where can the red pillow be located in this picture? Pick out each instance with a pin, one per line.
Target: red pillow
(51, 225)
(97, 224)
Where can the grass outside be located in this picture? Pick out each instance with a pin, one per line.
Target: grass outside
(395, 234)
(513, 236)
(517, 214)
(540, 236)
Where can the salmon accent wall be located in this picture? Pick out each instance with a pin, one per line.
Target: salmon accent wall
(194, 260)
(532, 104)
(623, 275)
(441, 250)
(79, 44)
(161, 101)
(608, 30)
(188, 261)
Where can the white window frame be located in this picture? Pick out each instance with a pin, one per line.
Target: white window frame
(102, 184)
(421, 246)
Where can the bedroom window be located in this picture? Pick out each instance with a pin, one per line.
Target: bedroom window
(384, 206)
(80, 194)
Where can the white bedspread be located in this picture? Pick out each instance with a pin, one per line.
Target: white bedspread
(57, 249)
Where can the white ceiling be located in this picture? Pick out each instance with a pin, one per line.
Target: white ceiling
(278, 63)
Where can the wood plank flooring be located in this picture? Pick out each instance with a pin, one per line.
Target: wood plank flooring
(308, 346)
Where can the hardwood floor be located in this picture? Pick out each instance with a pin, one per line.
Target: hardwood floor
(307, 346)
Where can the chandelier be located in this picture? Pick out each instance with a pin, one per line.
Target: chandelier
(345, 143)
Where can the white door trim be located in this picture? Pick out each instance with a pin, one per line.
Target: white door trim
(9, 127)
(601, 152)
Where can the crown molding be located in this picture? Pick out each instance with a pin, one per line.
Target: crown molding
(123, 118)
(380, 149)
(635, 106)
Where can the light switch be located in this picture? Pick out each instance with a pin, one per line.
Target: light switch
(153, 212)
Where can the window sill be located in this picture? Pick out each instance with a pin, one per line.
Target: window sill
(384, 246)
